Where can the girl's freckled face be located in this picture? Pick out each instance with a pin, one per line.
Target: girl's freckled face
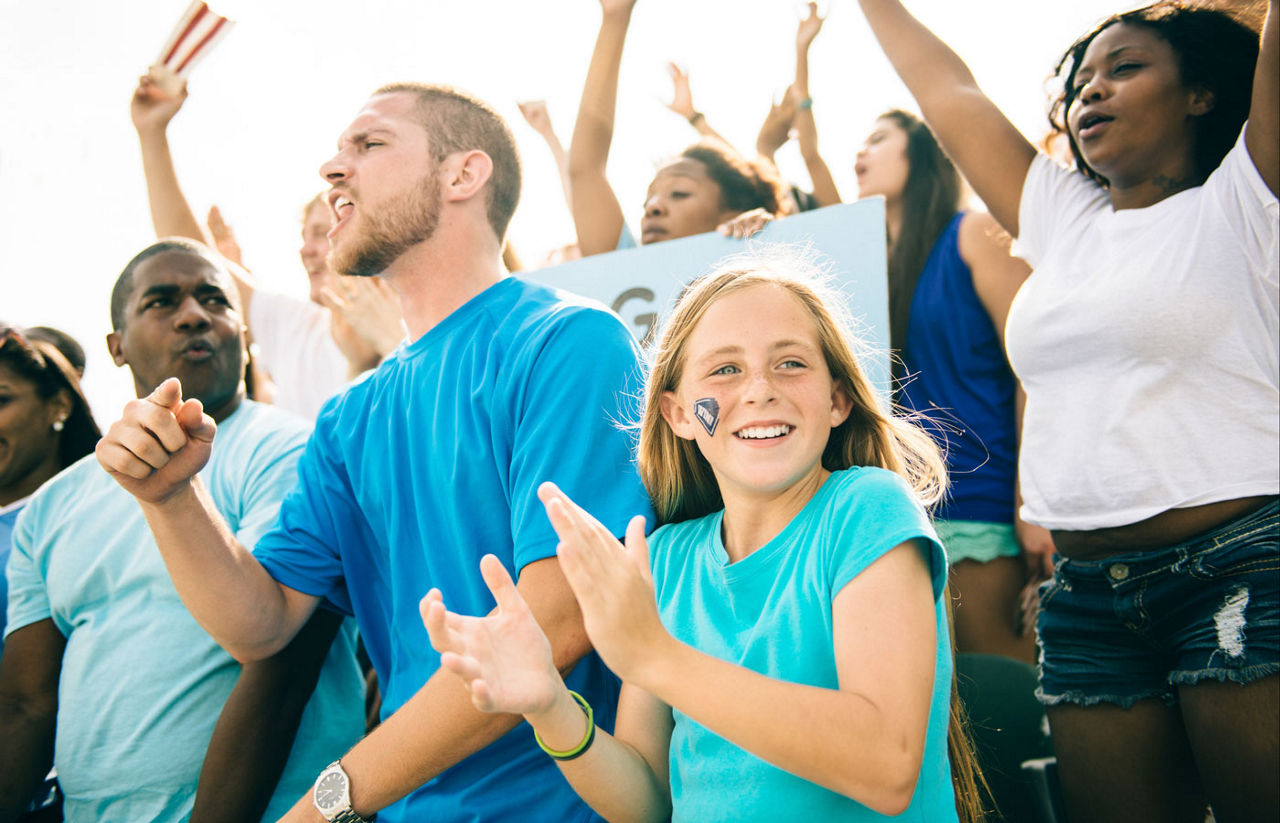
(756, 359)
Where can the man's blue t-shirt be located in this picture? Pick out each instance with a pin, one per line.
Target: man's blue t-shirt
(433, 460)
(771, 612)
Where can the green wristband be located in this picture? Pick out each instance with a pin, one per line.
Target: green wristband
(805, 104)
(587, 740)
(694, 118)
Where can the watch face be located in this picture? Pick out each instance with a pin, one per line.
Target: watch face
(330, 790)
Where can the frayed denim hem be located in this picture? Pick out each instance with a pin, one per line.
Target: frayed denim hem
(1078, 698)
(1243, 675)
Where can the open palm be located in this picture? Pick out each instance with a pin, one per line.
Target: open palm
(503, 657)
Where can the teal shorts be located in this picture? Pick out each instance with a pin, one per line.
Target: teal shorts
(977, 540)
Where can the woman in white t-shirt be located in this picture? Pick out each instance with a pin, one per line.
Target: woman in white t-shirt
(1146, 340)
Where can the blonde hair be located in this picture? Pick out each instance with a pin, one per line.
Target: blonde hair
(682, 486)
(679, 479)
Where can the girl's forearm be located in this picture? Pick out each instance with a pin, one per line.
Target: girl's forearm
(610, 776)
(837, 739)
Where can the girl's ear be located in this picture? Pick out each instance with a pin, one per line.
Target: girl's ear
(58, 407)
(1202, 101)
(841, 404)
(676, 415)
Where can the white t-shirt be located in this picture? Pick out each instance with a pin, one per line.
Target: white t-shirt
(298, 350)
(1146, 341)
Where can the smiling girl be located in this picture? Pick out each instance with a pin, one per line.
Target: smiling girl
(1146, 341)
(783, 640)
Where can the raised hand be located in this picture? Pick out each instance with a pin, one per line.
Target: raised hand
(536, 115)
(617, 6)
(504, 658)
(367, 307)
(612, 583)
(809, 28)
(776, 128)
(156, 100)
(681, 95)
(159, 444)
(224, 239)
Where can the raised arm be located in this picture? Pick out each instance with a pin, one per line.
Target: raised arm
(824, 185)
(597, 215)
(155, 451)
(255, 732)
(989, 151)
(682, 103)
(1262, 135)
(29, 672)
(539, 119)
(151, 109)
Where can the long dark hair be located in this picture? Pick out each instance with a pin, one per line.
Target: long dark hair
(1215, 51)
(44, 365)
(930, 199)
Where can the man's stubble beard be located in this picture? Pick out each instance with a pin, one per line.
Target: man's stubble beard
(391, 232)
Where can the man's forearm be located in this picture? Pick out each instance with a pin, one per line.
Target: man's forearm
(256, 729)
(26, 755)
(437, 728)
(224, 587)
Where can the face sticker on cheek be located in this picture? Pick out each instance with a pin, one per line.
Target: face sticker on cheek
(707, 410)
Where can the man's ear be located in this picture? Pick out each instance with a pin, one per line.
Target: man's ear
(115, 345)
(676, 415)
(465, 174)
(1202, 101)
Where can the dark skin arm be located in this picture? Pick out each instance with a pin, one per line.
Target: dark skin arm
(1263, 131)
(29, 672)
(256, 729)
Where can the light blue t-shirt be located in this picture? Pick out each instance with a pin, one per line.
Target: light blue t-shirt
(142, 684)
(771, 612)
(417, 471)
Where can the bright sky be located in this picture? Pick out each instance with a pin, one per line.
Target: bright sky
(267, 105)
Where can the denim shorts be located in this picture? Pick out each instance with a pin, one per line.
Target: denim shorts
(1134, 626)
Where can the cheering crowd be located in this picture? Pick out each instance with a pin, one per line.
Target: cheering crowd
(732, 581)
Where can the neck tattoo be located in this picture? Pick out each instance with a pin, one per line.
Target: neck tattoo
(1169, 185)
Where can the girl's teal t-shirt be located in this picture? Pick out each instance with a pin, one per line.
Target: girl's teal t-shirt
(771, 612)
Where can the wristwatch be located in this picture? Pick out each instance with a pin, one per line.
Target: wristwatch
(332, 795)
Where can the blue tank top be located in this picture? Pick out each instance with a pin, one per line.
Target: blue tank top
(958, 378)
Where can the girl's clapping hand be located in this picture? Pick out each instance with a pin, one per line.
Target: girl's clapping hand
(504, 658)
(612, 582)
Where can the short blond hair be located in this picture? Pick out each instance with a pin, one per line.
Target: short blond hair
(457, 121)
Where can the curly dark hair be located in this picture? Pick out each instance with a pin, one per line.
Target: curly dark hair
(1215, 51)
(745, 184)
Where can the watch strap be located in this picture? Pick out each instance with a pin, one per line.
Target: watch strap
(348, 816)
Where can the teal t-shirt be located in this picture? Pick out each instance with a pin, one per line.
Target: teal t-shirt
(771, 612)
(142, 684)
